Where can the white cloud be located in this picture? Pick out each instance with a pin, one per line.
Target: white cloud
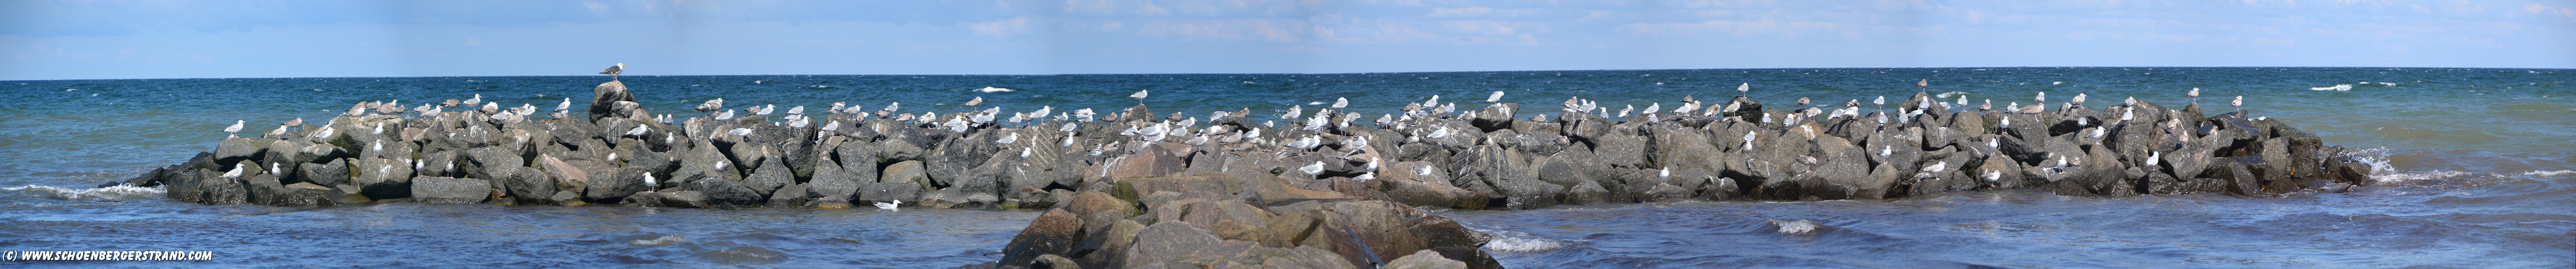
(1000, 28)
(1115, 8)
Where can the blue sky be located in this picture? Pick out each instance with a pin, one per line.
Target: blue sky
(210, 39)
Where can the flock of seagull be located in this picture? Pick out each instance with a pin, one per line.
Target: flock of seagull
(1333, 116)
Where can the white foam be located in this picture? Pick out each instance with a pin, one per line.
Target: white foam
(2550, 173)
(993, 89)
(666, 239)
(1511, 241)
(1798, 226)
(2336, 87)
(110, 193)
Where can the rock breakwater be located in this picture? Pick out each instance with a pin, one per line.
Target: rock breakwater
(1330, 188)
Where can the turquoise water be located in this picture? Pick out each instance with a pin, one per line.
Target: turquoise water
(2476, 171)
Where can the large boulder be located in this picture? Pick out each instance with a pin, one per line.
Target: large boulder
(450, 190)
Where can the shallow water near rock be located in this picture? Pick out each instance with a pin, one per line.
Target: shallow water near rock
(2474, 170)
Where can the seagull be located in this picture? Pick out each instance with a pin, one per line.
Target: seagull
(2195, 95)
(1992, 176)
(299, 121)
(1365, 177)
(1936, 167)
(1007, 139)
(1748, 140)
(889, 204)
(1920, 84)
(1140, 97)
(638, 131)
(2041, 98)
(477, 100)
(2152, 157)
(724, 115)
(1802, 101)
(1313, 169)
(236, 173)
(1667, 172)
(1741, 89)
(1338, 103)
(1497, 97)
(1294, 112)
(709, 106)
(236, 128)
(1881, 102)
(2239, 103)
(979, 100)
(889, 109)
(566, 105)
(649, 185)
(614, 70)
(2079, 100)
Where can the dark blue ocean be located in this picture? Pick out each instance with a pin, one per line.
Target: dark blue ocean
(2476, 168)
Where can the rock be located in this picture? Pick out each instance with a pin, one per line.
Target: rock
(528, 185)
(1052, 233)
(771, 175)
(450, 190)
(565, 198)
(614, 185)
(791, 196)
(1414, 192)
(1424, 259)
(685, 199)
(1169, 241)
(832, 183)
(888, 191)
(908, 172)
(335, 172)
(491, 163)
(235, 150)
(957, 198)
(722, 191)
(603, 99)
(381, 179)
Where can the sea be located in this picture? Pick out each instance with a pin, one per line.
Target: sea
(2472, 168)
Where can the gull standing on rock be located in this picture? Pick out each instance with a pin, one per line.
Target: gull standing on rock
(236, 128)
(1140, 97)
(1744, 89)
(613, 70)
(2195, 95)
(979, 100)
(711, 106)
(2239, 103)
(1312, 169)
(1496, 98)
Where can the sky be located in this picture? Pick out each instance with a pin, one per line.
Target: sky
(42, 40)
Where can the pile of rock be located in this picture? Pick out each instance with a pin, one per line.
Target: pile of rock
(1234, 189)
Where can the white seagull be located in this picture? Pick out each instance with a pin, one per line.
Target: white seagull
(889, 204)
(1497, 97)
(236, 128)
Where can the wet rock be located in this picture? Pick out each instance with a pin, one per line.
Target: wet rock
(450, 190)
(888, 191)
(335, 172)
(528, 185)
(614, 185)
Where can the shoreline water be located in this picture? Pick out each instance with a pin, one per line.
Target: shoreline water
(2463, 161)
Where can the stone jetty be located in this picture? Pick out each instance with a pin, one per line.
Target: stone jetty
(1322, 189)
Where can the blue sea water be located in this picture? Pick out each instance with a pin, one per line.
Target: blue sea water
(2475, 170)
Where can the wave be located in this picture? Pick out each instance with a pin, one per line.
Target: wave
(2558, 173)
(109, 193)
(1517, 242)
(666, 239)
(993, 89)
(2336, 87)
(1795, 226)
